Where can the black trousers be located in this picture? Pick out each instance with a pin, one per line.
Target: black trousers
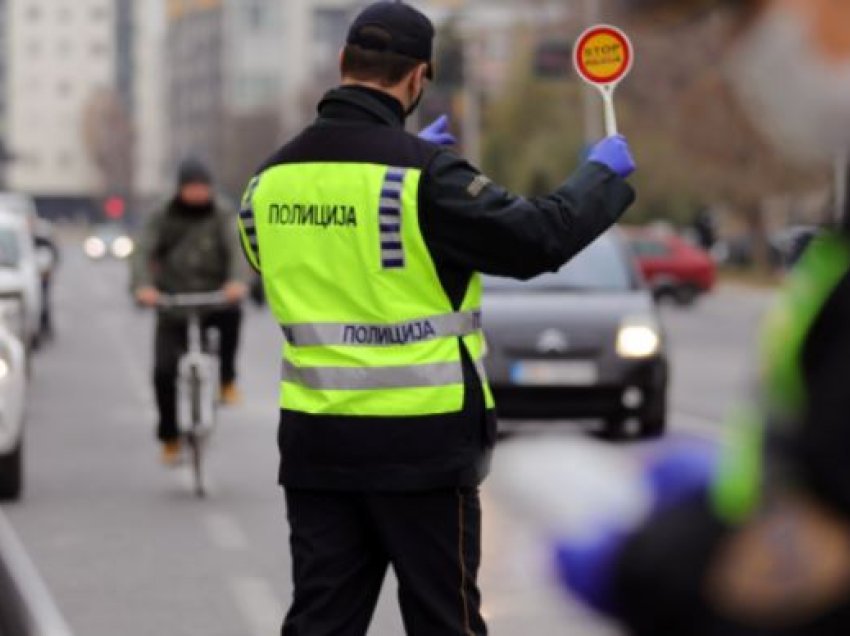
(343, 543)
(170, 343)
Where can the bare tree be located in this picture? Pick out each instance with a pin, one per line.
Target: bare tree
(679, 93)
(248, 139)
(109, 140)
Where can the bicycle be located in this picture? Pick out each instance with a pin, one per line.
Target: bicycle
(197, 377)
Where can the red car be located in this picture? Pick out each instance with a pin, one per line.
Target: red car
(673, 267)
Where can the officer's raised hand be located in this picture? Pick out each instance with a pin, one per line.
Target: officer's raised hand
(437, 132)
(614, 153)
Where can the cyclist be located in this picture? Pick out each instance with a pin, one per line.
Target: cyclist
(189, 246)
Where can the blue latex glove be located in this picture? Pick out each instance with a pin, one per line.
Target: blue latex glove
(678, 471)
(614, 153)
(587, 569)
(438, 132)
(681, 471)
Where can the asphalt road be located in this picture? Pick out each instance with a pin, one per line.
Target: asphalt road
(127, 549)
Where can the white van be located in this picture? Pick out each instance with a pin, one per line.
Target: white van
(13, 387)
(19, 273)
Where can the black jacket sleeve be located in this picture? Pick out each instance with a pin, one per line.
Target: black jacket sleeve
(473, 224)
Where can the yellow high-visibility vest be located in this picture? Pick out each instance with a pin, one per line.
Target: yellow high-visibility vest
(368, 328)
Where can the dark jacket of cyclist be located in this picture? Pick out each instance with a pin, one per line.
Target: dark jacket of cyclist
(189, 246)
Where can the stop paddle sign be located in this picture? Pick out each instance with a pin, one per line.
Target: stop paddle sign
(603, 56)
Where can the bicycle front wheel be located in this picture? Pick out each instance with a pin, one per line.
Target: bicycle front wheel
(194, 436)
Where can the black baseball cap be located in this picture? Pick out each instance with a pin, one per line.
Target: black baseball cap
(410, 32)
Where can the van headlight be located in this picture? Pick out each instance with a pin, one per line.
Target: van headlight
(94, 247)
(639, 338)
(122, 247)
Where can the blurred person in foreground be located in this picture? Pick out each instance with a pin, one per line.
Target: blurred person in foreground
(370, 242)
(756, 542)
(190, 246)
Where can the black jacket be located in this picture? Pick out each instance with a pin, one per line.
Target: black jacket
(470, 225)
(187, 250)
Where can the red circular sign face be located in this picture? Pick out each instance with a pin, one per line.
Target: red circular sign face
(603, 55)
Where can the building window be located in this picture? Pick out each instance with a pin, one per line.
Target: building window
(33, 12)
(65, 160)
(329, 30)
(64, 89)
(98, 49)
(99, 12)
(256, 15)
(34, 48)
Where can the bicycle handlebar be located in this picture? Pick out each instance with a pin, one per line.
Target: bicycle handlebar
(202, 300)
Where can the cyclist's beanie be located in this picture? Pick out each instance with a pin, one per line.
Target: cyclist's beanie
(193, 171)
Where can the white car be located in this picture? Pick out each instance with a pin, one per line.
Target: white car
(19, 204)
(19, 274)
(13, 386)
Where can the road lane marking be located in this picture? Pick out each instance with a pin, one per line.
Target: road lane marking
(29, 600)
(258, 604)
(225, 532)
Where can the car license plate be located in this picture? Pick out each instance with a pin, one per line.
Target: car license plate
(563, 373)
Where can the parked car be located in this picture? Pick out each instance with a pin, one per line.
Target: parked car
(20, 274)
(789, 243)
(673, 267)
(13, 386)
(585, 342)
(20, 205)
(108, 240)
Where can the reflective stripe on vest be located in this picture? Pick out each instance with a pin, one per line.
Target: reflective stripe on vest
(390, 218)
(361, 379)
(377, 335)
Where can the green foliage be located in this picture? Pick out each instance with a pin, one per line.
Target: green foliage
(533, 132)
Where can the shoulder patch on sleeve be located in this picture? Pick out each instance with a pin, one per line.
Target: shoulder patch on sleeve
(477, 185)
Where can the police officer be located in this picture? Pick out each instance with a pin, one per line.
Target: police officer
(761, 546)
(189, 246)
(370, 242)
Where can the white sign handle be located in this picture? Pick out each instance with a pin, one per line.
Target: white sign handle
(610, 111)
